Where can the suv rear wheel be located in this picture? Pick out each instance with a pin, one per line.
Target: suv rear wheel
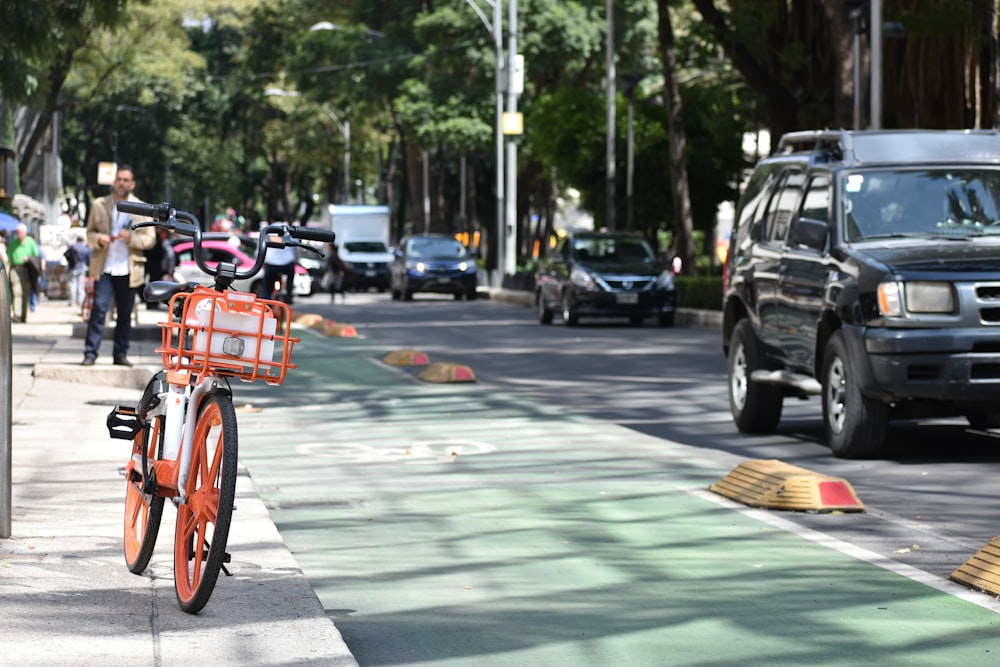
(855, 425)
(756, 407)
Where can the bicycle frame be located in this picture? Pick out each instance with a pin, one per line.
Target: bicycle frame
(178, 439)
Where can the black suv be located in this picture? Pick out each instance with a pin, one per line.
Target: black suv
(865, 268)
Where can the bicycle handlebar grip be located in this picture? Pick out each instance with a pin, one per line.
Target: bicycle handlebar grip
(159, 212)
(312, 234)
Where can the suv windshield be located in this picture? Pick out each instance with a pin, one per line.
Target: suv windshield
(433, 247)
(939, 202)
(365, 246)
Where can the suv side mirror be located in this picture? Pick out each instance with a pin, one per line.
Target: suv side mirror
(808, 234)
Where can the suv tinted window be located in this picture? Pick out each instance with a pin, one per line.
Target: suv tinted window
(817, 200)
(959, 202)
(784, 206)
(756, 193)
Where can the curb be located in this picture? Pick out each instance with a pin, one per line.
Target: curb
(709, 319)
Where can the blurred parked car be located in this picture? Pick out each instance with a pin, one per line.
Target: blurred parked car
(433, 263)
(604, 274)
(217, 250)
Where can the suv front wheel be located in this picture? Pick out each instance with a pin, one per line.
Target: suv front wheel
(756, 407)
(855, 425)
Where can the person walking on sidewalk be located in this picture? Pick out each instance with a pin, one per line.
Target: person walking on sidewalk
(78, 257)
(118, 266)
(25, 258)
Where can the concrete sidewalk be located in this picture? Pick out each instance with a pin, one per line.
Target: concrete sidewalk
(66, 596)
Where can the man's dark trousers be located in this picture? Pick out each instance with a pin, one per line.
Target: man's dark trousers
(107, 289)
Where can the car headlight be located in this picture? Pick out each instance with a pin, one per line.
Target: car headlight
(463, 267)
(419, 267)
(665, 280)
(921, 297)
(582, 279)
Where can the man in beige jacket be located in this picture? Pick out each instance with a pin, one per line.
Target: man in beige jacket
(118, 266)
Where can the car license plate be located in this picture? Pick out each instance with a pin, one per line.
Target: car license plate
(626, 298)
(444, 279)
(370, 273)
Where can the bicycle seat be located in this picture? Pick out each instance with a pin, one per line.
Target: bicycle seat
(162, 290)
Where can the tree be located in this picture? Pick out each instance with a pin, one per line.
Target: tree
(798, 57)
(38, 42)
(678, 140)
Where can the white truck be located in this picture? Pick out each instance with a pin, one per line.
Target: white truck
(363, 234)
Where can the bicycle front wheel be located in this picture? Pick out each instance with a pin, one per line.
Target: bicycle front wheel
(142, 511)
(203, 521)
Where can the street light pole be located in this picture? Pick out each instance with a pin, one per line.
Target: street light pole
(495, 27)
(611, 86)
(514, 81)
(345, 129)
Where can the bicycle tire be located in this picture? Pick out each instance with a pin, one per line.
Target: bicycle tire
(202, 529)
(143, 511)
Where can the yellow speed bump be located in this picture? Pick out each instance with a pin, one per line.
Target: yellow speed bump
(306, 319)
(776, 485)
(982, 571)
(406, 357)
(444, 371)
(331, 328)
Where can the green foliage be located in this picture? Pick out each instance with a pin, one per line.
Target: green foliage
(699, 292)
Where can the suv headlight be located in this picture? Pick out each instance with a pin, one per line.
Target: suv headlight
(582, 279)
(665, 280)
(921, 297)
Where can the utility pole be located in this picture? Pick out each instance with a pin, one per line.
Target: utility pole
(610, 48)
(515, 85)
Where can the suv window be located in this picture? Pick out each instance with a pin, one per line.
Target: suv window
(783, 206)
(884, 203)
(756, 193)
(816, 205)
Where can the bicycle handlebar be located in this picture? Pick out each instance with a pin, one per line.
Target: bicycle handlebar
(186, 224)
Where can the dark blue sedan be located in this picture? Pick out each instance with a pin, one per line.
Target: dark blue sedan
(433, 263)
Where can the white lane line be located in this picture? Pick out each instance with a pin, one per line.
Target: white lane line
(943, 585)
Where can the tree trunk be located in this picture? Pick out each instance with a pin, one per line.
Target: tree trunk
(683, 222)
(414, 187)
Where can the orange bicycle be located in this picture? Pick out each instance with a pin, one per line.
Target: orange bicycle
(183, 429)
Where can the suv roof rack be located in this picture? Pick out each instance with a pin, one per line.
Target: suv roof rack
(825, 145)
(885, 147)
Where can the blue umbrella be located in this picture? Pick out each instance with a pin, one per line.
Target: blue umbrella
(8, 222)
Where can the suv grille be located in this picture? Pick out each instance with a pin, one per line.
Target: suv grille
(988, 292)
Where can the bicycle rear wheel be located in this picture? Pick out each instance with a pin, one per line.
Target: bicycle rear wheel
(142, 511)
(203, 522)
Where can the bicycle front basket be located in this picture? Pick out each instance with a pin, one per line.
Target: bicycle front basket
(228, 333)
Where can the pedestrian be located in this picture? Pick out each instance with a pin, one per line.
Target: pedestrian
(334, 274)
(118, 266)
(78, 256)
(279, 262)
(27, 261)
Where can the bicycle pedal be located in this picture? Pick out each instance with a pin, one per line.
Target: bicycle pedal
(123, 424)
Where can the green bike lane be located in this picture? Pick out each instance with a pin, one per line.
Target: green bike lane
(454, 524)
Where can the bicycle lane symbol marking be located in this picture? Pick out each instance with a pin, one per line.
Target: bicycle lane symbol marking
(425, 452)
